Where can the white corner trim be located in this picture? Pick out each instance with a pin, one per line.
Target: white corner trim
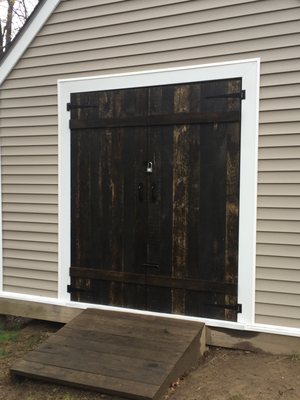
(248, 70)
(64, 195)
(26, 38)
(248, 193)
(1, 242)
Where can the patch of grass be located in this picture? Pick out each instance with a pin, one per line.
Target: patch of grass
(8, 336)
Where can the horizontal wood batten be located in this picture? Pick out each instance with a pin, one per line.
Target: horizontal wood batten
(179, 119)
(154, 280)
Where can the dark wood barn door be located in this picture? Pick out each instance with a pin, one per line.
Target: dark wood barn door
(155, 197)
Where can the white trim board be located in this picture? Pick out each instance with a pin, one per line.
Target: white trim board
(272, 329)
(249, 71)
(1, 229)
(26, 38)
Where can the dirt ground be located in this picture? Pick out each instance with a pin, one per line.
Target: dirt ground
(221, 374)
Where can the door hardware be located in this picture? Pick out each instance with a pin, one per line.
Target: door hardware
(149, 168)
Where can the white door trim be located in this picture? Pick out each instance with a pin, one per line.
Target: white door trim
(249, 71)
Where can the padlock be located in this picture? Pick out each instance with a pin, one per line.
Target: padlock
(149, 169)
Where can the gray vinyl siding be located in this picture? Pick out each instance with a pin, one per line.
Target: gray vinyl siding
(97, 37)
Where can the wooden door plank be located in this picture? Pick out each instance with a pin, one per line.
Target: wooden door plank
(232, 201)
(181, 176)
(160, 148)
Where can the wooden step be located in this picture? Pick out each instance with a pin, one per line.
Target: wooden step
(117, 353)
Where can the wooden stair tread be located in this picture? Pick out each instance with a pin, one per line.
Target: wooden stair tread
(116, 353)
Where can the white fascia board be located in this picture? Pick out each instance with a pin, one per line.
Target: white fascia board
(26, 38)
(249, 71)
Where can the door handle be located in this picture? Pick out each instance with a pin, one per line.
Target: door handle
(141, 192)
(153, 192)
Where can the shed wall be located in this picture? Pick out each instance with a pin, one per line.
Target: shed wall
(97, 37)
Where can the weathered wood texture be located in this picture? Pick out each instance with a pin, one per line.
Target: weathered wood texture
(120, 354)
(177, 223)
(35, 310)
(252, 341)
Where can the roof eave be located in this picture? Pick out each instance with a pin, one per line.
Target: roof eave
(27, 34)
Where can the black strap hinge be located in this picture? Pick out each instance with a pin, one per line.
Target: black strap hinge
(237, 95)
(72, 289)
(148, 265)
(76, 106)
